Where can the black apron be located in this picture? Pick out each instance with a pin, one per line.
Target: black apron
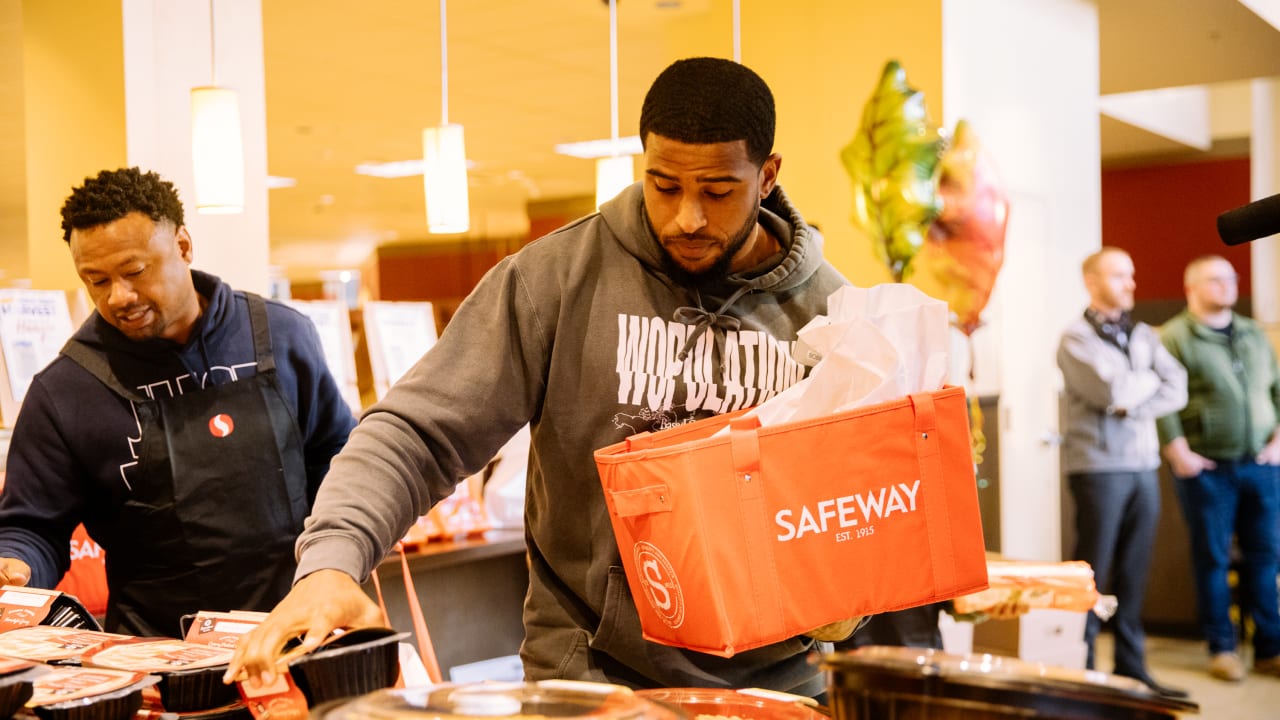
(216, 501)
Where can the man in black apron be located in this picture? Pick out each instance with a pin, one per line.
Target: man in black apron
(185, 424)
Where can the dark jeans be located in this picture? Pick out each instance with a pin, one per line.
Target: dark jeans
(1116, 518)
(1240, 498)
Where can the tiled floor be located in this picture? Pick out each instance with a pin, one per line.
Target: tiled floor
(1181, 663)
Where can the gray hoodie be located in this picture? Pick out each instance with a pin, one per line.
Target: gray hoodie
(580, 334)
(1099, 379)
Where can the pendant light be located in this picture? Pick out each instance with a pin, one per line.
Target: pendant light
(444, 159)
(217, 153)
(615, 171)
(737, 25)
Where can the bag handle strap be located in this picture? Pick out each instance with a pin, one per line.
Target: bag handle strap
(425, 649)
(641, 501)
(744, 446)
(938, 523)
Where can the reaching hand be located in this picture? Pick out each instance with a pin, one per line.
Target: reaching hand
(14, 572)
(836, 631)
(316, 606)
(1009, 609)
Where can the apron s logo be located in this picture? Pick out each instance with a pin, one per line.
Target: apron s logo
(221, 425)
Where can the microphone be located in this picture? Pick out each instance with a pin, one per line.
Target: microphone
(1258, 219)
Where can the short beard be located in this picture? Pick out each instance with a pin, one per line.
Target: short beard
(716, 270)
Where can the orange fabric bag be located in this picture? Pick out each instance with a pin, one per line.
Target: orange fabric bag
(746, 539)
(87, 577)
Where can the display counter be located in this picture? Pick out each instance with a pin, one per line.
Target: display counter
(471, 591)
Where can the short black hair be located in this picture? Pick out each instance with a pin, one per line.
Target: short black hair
(710, 100)
(116, 193)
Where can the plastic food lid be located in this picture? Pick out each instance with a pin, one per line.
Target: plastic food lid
(467, 701)
(46, 644)
(157, 655)
(750, 704)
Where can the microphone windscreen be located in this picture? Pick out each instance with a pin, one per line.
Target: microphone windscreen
(1258, 219)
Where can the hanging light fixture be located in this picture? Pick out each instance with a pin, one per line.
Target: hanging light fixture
(217, 153)
(444, 159)
(615, 171)
(737, 25)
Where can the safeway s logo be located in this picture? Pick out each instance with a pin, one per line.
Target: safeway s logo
(221, 425)
(661, 587)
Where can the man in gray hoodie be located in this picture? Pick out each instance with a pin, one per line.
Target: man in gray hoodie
(1118, 378)
(681, 298)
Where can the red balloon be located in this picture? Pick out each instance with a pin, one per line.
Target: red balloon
(965, 247)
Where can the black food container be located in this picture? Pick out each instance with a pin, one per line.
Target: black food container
(353, 663)
(190, 674)
(74, 693)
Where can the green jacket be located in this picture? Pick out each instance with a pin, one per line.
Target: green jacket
(1233, 387)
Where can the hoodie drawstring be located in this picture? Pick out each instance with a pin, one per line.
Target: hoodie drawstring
(701, 319)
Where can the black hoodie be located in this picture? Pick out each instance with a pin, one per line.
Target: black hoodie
(75, 441)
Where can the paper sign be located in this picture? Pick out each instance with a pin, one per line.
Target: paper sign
(333, 322)
(34, 325)
(398, 334)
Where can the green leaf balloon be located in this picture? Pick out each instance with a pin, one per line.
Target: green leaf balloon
(892, 160)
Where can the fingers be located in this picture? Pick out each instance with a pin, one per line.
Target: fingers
(14, 572)
(1007, 610)
(315, 607)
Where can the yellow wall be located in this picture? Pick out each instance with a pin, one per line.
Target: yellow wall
(820, 94)
(73, 76)
(13, 190)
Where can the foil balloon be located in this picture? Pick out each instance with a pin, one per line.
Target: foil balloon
(964, 249)
(891, 161)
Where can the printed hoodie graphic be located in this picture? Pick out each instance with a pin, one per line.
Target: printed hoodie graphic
(696, 362)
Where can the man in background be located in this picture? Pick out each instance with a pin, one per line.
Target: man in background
(1117, 379)
(186, 424)
(1223, 448)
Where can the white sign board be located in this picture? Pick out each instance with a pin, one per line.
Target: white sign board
(34, 325)
(333, 323)
(398, 334)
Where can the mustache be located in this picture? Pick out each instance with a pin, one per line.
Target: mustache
(687, 237)
(126, 312)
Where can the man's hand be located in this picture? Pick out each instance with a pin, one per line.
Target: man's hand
(1008, 610)
(14, 572)
(316, 606)
(1185, 462)
(1270, 453)
(836, 631)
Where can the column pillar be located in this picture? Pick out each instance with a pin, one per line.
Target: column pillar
(166, 53)
(1264, 180)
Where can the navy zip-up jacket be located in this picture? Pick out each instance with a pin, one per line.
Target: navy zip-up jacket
(75, 442)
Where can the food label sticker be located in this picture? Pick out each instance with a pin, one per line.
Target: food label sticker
(280, 700)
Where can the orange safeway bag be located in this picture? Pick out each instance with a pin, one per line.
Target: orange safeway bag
(761, 534)
(87, 577)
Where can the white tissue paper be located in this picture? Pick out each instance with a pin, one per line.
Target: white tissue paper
(873, 345)
(504, 489)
